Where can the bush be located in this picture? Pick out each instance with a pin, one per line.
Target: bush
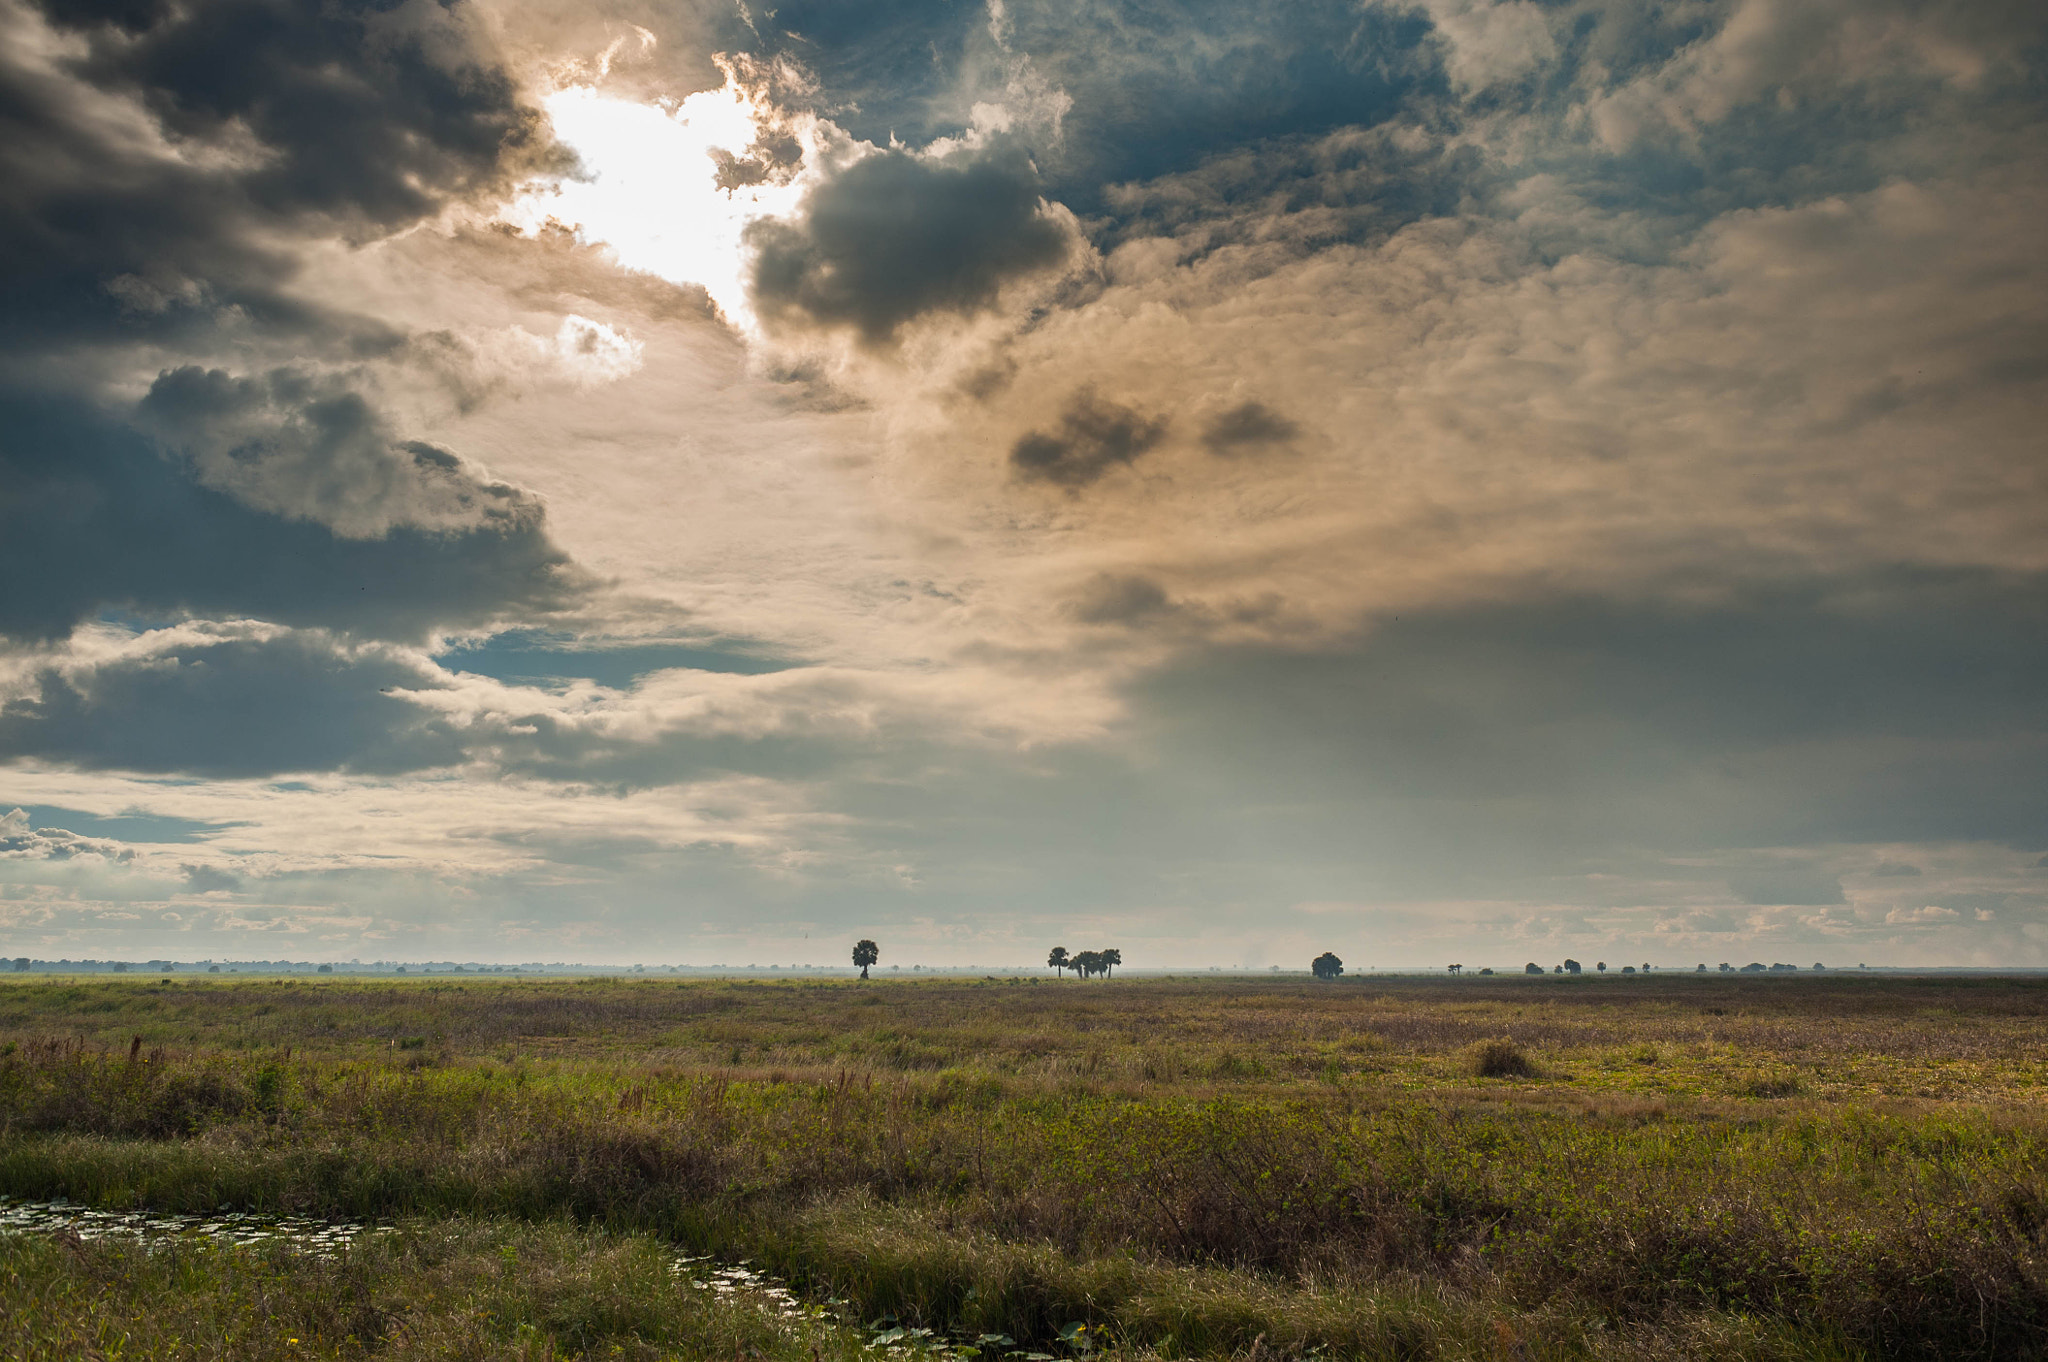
(1499, 1058)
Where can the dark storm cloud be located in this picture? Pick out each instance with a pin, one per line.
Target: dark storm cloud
(96, 518)
(1094, 436)
(157, 177)
(376, 112)
(294, 116)
(233, 707)
(895, 236)
(1246, 428)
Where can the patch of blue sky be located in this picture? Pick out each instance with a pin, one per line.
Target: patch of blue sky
(136, 621)
(1154, 90)
(123, 827)
(527, 656)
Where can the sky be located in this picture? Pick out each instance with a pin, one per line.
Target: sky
(1476, 480)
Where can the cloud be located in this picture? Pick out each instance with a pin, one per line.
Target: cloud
(206, 879)
(309, 447)
(97, 519)
(231, 702)
(1488, 41)
(159, 162)
(1586, 471)
(896, 236)
(1931, 915)
(20, 842)
(1247, 427)
(1094, 436)
(1896, 870)
(164, 171)
(1830, 50)
(1115, 598)
(366, 111)
(1802, 886)
(1145, 90)
(1554, 730)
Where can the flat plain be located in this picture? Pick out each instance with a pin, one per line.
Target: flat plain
(1819, 1166)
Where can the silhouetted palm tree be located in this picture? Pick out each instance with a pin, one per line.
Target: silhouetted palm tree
(865, 953)
(1058, 960)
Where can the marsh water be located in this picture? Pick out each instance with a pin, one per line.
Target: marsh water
(321, 1238)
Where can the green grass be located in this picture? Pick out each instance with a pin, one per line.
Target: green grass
(1664, 1167)
(447, 1289)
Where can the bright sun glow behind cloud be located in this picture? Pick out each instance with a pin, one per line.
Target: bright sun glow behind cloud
(650, 190)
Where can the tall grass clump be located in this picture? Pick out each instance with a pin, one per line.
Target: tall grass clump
(1499, 1057)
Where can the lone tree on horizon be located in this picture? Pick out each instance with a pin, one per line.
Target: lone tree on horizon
(1058, 960)
(865, 953)
(1326, 966)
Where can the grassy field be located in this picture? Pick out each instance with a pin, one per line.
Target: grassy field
(1661, 1166)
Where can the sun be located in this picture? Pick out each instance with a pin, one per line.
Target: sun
(649, 186)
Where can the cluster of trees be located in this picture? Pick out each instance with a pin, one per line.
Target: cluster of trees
(1087, 964)
(1326, 966)
(1574, 967)
(1570, 966)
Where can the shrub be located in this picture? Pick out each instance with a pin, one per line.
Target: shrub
(1499, 1058)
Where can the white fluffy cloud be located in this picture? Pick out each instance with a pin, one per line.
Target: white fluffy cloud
(20, 842)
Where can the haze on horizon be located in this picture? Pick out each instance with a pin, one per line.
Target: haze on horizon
(1440, 480)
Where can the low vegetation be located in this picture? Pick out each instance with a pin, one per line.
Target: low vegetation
(1830, 1166)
